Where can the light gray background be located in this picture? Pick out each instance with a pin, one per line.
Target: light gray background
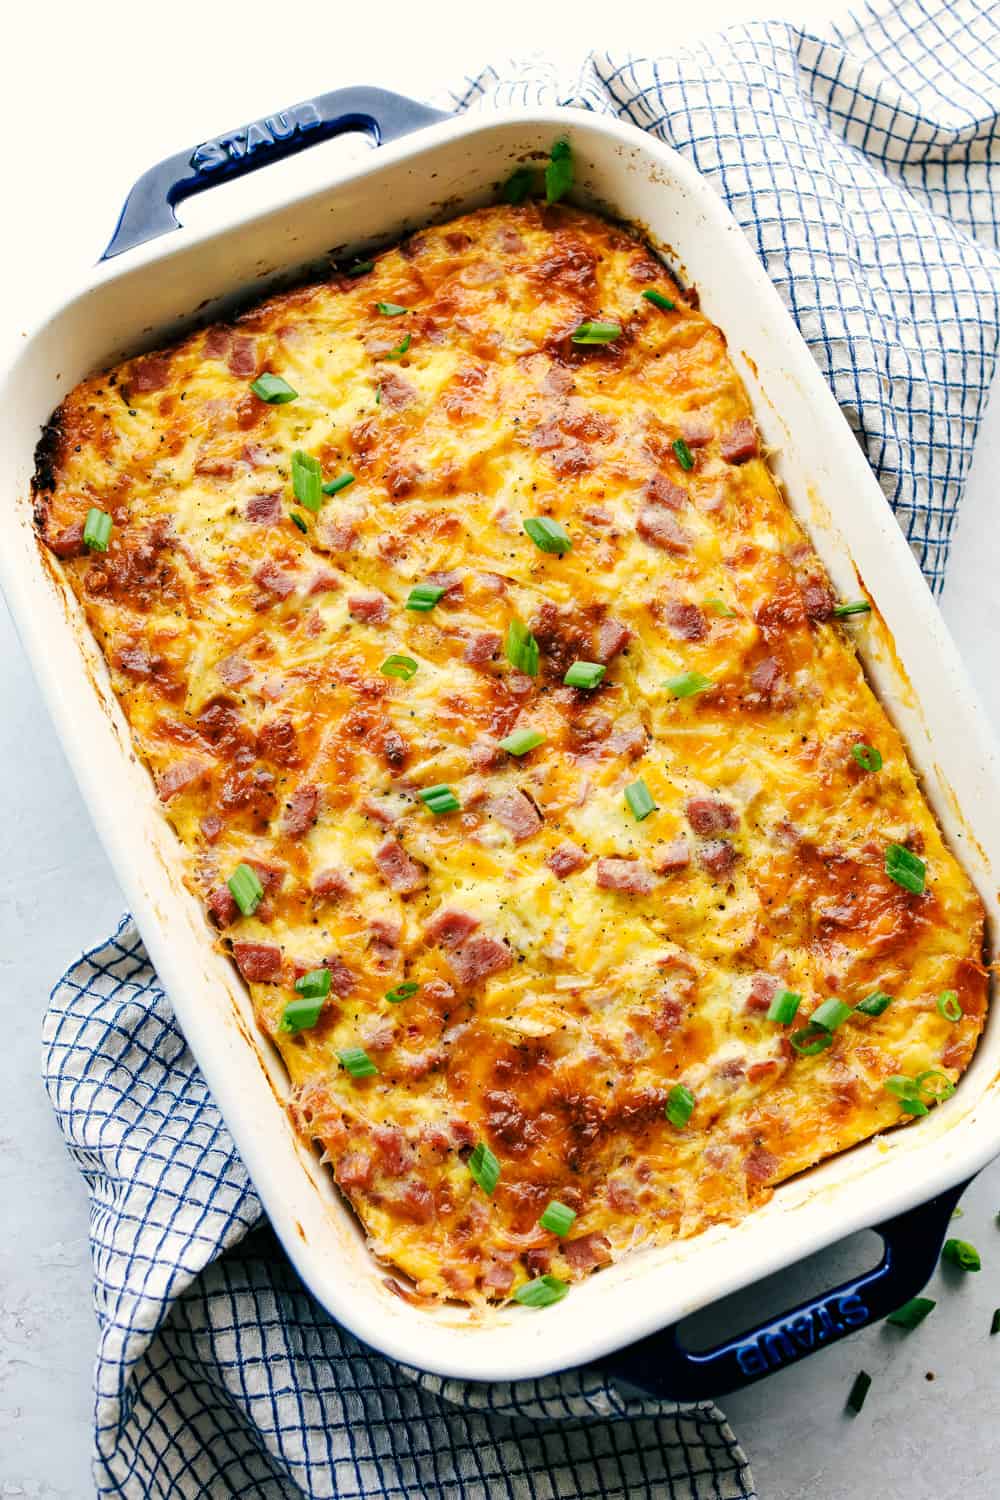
(101, 91)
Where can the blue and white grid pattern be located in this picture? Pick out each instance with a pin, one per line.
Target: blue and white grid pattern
(864, 169)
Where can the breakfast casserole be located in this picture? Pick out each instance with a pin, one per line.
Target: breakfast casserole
(518, 747)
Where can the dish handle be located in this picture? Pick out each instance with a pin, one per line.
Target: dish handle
(149, 207)
(661, 1366)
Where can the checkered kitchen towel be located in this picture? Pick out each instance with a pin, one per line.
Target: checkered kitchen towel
(866, 169)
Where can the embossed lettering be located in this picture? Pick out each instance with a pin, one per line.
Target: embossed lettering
(307, 116)
(750, 1360)
(258, 135)
(211, 155)
(803, 1331)
(776, 1347)
(208, 157)
(280, 126)
(852, 1310)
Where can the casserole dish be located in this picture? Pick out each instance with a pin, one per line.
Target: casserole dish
(619, 170)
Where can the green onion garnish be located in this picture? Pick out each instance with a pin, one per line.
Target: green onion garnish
(873, 1004)
(856, 607)
(995, 1325)
(246, 889)
(273, 390)
(905, 869)
(403, 667)
(680, 1104)
(784, 1007)
(658, 300)
(334, 486)
(521, 741)
(548, 535)
(859, 1390)
(934, 1085)
(390, 309)
(559, 172)
(518, 185)
(867, 757)
(360, 268)
(541, 1292)
(402, 991)
(521, 648)
(400, 349)
(301, 1014)
(424, 596)
(949, 1006)
(639, 799)
(558, 1219)
(687, 684)
(485, 1168)
(584, 674)
(357, 1062)
(720, 607)
(315, 985)
(960, 1253)
(97, 530)
(912, 1313)
(440, 799)
(596, 333)
(915, 1094)
(684, 455)
(808, 1040)
(297, 520)
(830, 1015)
(307, 480)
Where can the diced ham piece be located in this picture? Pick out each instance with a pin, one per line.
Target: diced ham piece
(371, 609)
(481, 647)
(211, 826)
(696, 429)
(382, 812)
(68, 542)
(657, 527)
(818, 599)
(587, 1252)
(450, 580)
(448, 927)
(396, 390)
(222, 906)
(354, 1170)
(485, 754)
(233, 670)
(258, 962)
(415, 1203)
(324, 582)
(149, 374)
(338, 533)
(341, 979)
(717, 857)
(762, 991)
(274, 579)
(740, 442)
(516, 813)
(383, 942)
(673, 856)
(271, 877)
(478, 958)
(760, 1165)
(398, 870)
(216, 345)
(667, 1016)
(628, 875)
(612, 637)
(709, 816)
(498, 1278)
(179, 776)
(242, 359)
(765, 678)
(215, 466)
(393, 1154)
(265, 509)
(566, 860)
(627, 739)
(331, 885)
(302, 810)
(662, 491)
(685, 620)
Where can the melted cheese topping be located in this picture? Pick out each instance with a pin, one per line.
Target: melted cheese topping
(574, 963)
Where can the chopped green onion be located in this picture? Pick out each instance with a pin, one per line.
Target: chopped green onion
(521, 741)
(402, 991)
(948, 1005)
(830, 1015)
(960, 1253)
(639, 799)
(357, 1062)
(390, 309)
(874, 1004)
(307, 480)
(867, 757)
(301, 1014)
(518, 185)
(687, 684)
(684, 455)
(246, 889)
(334, 486)
(905, 868)
(97, 530)
(521, 648)
(680, 1105)
(424, 596)
(856, 607)
(548, 535)
(440, 799)
(859, 1390)
(558, 1219)
(403, 667)
(541, 1292)
(784, 1007)
(809, 1040)
(400, 348)
(720, 607)
(596, 333)
(943, 1088)
(360, 268)
(912, 1313)
(485, 1168)
(658, 300)
(915, 1094)
(315, 985)
(559, 172)
(995, 1325)
(584, 674)
(273, 390)
(297, 520)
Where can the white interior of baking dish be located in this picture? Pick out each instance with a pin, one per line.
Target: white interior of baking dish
(148, 295)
